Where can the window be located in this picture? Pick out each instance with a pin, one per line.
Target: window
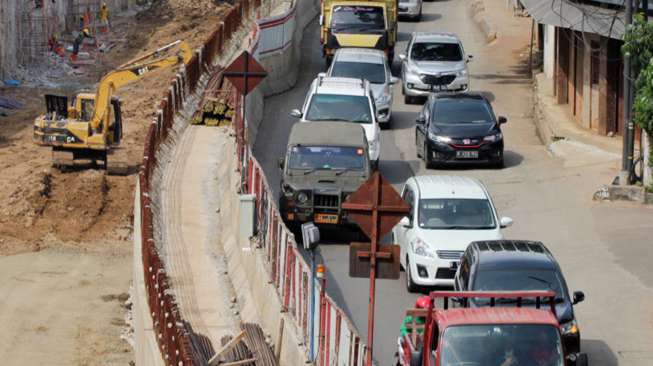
(501, 344)
(361, 19)
(459, 111)
(452, 214)
(520, 280)
(434, 51)
(326, 158)
(334, 107)
(375, 73)
(409, 197)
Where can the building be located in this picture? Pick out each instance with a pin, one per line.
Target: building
(581, 43)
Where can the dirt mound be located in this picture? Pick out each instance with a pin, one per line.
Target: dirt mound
(42, 207)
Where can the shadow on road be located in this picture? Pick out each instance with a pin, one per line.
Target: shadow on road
(599, 353)
(397, 171)
(402, 120)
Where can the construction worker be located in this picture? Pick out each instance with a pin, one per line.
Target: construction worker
(84, 33)
(104, 17)
(422, 302)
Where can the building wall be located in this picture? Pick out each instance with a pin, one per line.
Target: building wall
(549, 51)
(587, 76)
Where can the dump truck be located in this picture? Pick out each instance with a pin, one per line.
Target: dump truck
(358, 23)
(515, 328)
(85, 130)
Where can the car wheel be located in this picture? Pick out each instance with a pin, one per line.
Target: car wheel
(500, 164)
(410, 285)
(425, 155)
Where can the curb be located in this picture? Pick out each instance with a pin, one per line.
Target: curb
(480, 17)
(543, 128)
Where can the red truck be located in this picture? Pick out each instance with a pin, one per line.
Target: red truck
(503, 333)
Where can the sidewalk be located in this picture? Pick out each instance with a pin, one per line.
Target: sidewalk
(564, 137)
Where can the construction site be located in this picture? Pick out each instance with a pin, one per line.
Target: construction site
(65, 234)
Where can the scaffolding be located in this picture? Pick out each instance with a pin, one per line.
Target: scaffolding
(34, 32)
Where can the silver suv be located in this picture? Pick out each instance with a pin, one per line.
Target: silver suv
(433, 62)
(372, 65)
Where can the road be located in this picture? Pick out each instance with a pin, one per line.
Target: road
(601, 247)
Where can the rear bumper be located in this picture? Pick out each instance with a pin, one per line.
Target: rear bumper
(445, 153)
(408, 9)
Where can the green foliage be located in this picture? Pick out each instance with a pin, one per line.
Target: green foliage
(638, 45)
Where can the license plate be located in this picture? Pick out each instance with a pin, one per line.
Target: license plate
(467, 154)
(326, 219)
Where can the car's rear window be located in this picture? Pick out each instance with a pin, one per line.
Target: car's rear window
(461, 110)
(335, 107)
(375, 73)
(519, 280)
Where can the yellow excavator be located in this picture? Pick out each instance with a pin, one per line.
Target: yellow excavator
(85, 130)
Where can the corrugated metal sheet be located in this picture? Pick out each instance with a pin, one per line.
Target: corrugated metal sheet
(581, 17)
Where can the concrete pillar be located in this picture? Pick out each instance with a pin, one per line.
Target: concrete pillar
(571, 67)
(562, 66)
(588, 101)
(606, 91)
(648, 170)
(549, 51)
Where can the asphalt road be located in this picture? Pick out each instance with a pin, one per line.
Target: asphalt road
(602, 248)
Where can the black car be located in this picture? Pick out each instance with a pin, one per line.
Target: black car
(520, 265)
(459, 128)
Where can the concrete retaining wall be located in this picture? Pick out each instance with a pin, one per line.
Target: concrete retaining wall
(282, 65)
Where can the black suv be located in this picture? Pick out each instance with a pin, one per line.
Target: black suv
(459, 128)
(519, 265)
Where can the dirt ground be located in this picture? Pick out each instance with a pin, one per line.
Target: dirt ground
(37, 202)
(79, 222)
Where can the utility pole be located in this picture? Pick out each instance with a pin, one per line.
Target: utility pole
(628, 133)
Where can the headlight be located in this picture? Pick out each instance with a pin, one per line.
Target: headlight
(422, 249)
(462, 72)
(302, 197)
(438, 138)
(493, 138)
(569, 328)
(383, 99)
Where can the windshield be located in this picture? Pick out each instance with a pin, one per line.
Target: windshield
(456, 214)
(357, 18)
(461, 111)
(432, 51)
(501, 344)
(326, 157)
(519, 280)
(333, 107)
(375, 73)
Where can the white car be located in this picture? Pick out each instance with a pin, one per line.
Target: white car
(447, 213)
(372, 65)
(343, 100)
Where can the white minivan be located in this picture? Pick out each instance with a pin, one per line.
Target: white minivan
(343, 100)
(446, 214)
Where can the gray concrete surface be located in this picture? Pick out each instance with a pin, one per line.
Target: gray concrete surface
(603, 248)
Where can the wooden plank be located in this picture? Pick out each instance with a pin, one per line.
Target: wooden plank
(215, 360)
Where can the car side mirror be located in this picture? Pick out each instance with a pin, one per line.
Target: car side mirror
(402, 56)
(281, 163)
(505, 222)
(579, 296)
(321, 75)
(394, 80)
(420, 120)
(296, 113)
(502, 120)
(310, 235)
(321, 20)
(405, 222)
(470, 58)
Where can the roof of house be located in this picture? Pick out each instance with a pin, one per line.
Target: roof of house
(605, 21)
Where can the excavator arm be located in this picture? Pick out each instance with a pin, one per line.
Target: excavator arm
(133, 71)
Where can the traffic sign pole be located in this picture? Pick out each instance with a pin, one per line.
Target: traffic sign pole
(376, 208)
